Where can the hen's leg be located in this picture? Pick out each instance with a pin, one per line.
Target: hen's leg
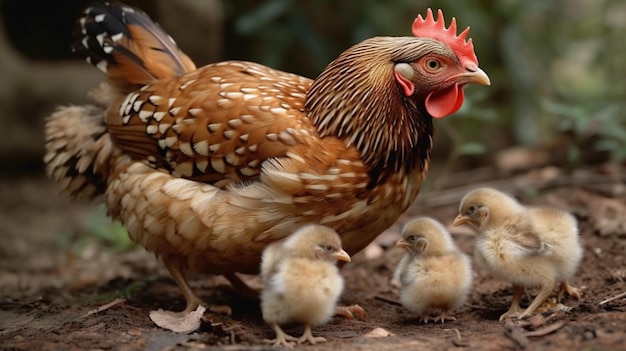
(349, 312)
(241, 287)
(308, 336)
(175, 266)
(515, 310)
(544, 293)
(570, 290)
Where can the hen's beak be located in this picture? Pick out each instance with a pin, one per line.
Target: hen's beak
(473, 75)
(342, 255)
(459, 220)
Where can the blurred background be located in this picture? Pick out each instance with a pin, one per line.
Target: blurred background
(557, 103)
(557, 67)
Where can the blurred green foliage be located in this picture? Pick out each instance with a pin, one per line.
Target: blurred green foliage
(557, 67)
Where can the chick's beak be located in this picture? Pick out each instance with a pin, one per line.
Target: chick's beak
(460, 219)
(402, 243)
(342, 255)
(473, 75)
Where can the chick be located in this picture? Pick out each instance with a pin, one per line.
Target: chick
(434, 274)
(527, 246)
(302, 282)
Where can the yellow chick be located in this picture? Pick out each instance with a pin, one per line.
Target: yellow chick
(302, 282)
(434, 274)
(527, 246)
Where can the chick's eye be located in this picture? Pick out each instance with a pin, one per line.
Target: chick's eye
(432, 64)
(329, 248)
(471, 209)
(412, 238)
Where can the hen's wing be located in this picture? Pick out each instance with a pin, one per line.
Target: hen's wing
(216, 124)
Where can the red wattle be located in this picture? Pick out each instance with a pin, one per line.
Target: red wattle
(446, 102)
(407, 85)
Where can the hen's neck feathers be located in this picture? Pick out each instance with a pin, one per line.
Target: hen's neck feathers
(357, 99)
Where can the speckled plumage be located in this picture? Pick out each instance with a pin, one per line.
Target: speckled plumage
(207, 166)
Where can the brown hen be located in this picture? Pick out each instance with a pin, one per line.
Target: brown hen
(207, 166)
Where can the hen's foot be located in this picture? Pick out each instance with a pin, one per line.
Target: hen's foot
(349, 312)
(570, 290)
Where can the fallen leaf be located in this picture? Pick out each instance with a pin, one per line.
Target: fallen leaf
(378, 333)
(177, 322)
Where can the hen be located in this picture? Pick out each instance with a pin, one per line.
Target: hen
(302, 281)
(207, 166)
(527, 246)
(434, 274)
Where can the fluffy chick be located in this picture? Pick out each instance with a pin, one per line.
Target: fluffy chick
(434, 274)
(527, 246)
(302, 281)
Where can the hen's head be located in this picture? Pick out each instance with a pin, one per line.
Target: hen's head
(442, 72)
(381, 94)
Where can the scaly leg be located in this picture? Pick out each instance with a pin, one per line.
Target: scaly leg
(349, 312)
(544, 293)
(570, 290)
(308, 336)
(241, 287)
(175, 266)
(515, 310)
(282, 338)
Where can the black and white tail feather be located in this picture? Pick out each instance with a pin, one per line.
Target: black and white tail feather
(125, 43)
(133, 51)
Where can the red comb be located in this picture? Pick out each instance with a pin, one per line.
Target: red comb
(430, 28)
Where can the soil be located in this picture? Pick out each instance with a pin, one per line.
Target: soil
(62, 288)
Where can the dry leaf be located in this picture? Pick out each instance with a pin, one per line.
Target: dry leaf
(378, 333)
(178, 322)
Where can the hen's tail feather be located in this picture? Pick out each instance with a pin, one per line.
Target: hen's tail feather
(125, 43)
(78, 150)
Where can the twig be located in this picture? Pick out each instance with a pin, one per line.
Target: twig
(458, 341)
(546, 330)
(106, 306)
(618, 296)
(515, 334)
(387, 300)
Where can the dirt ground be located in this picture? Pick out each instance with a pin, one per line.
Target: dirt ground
(64, 289)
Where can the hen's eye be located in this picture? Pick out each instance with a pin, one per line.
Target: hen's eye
(433, 65)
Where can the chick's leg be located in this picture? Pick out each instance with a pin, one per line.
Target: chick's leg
(443, 317)
(515, 310)
(282, 338)
(308, 336)
(544, 293)
(175, 266)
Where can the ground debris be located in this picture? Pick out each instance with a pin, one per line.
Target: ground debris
(178, 322)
